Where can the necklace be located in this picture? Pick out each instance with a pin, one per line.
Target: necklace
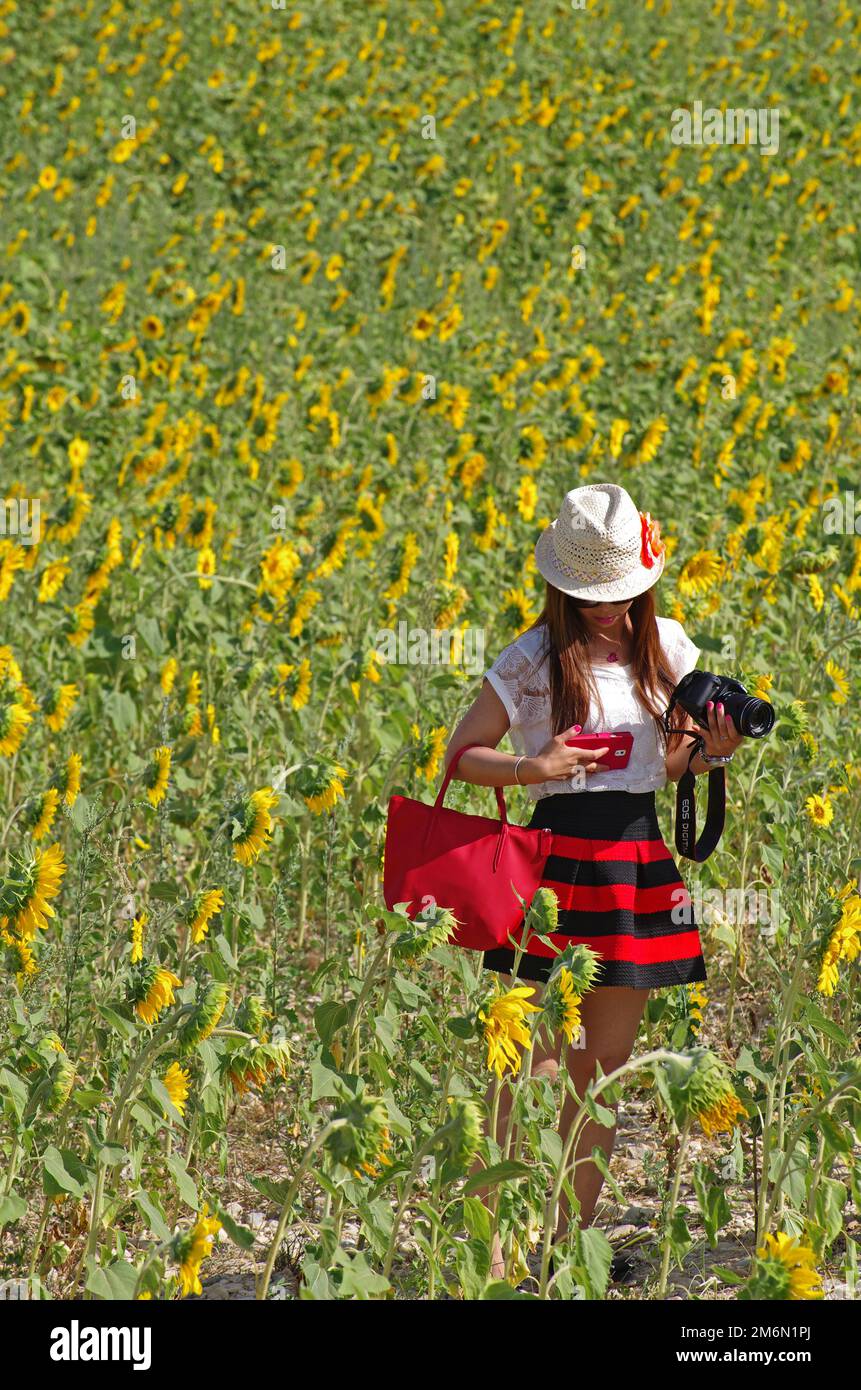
(614, 655)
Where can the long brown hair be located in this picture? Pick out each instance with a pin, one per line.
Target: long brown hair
(571, 681)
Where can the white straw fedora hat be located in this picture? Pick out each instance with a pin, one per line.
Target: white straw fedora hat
(600, 547)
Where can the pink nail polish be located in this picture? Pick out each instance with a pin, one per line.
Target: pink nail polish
(720, 709)
(710, 704)
(578, 728)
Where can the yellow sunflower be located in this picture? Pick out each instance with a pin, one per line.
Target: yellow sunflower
(784, 1269)
(205, 906)
(14, 718)
(504, 1019)
(152, 991)
(820, 810)
(192, 1249)
(41, 881)
(158, 776)
(700, 573)
(175, 1082)
(58, 706)
(256, 823)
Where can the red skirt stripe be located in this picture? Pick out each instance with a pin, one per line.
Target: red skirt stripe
(576, 847)
(610, 897)
(639, 950)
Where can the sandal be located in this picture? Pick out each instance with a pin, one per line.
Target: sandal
(621, 1268)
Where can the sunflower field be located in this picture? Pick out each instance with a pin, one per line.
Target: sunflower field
(311, 315)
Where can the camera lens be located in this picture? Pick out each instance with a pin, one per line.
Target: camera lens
(752, 717)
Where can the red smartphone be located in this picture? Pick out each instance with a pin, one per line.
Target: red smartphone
(618, 747)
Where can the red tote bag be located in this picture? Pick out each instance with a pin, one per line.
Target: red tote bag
(465, 863)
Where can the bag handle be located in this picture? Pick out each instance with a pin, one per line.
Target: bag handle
(545, 835)
(500, 799)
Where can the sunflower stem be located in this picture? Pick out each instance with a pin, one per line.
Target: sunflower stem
(781, 1039)
(354, 1048)
(304, 847)
(747, 821)
(523, 1075)
(420, 1153)
(803, 1122)
(437, 1181)
(114, 1125)
(674, 1197)
(551, 1211)
(287, 1205)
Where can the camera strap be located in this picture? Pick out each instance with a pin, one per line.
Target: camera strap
(686, 808)
(686, 802)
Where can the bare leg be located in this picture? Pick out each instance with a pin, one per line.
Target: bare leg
(611, 1019)
(545, 1062)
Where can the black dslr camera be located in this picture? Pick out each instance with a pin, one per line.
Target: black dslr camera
(751, 716)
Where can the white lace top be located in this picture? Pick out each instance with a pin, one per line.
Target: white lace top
(519, 675)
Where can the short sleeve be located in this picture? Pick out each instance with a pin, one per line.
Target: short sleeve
(507, 676)
(681, 652)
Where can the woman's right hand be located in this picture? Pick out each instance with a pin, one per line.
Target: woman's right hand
(557, 762)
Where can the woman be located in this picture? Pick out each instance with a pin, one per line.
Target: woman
(597, 659)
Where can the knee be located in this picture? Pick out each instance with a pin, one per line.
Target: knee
(585, 1069)
(549, 1067)
(612, 1059)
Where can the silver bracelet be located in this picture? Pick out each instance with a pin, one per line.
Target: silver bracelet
(516, 766)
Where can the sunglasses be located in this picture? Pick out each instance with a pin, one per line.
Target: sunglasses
(608, 603)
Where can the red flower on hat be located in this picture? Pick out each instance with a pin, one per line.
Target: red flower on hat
(652, 545)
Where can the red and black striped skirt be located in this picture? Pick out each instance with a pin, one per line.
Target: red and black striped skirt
(619, 892)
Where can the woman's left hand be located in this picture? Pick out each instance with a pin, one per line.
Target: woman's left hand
(722, 736)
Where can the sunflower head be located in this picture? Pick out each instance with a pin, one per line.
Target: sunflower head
(67, 779)
(191, 1248)
(255, 1065)
(251, 1017)
(431, 927)
(210, 1005)
(176, 1083)
(582, 964)
(808, 747)
(150, 989)
(39, 814)
(783, 1269)
(16, 955)
(57, 705)
(543, 914)
(700, 1088)
(561, 1004)
(205, 905)
(14, 718)
(62, 1078)
(321, 785)
(459, 1139)
(503, 1019)
(792, 721)
(359, 1142)
(24, 894)
(251, 823)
